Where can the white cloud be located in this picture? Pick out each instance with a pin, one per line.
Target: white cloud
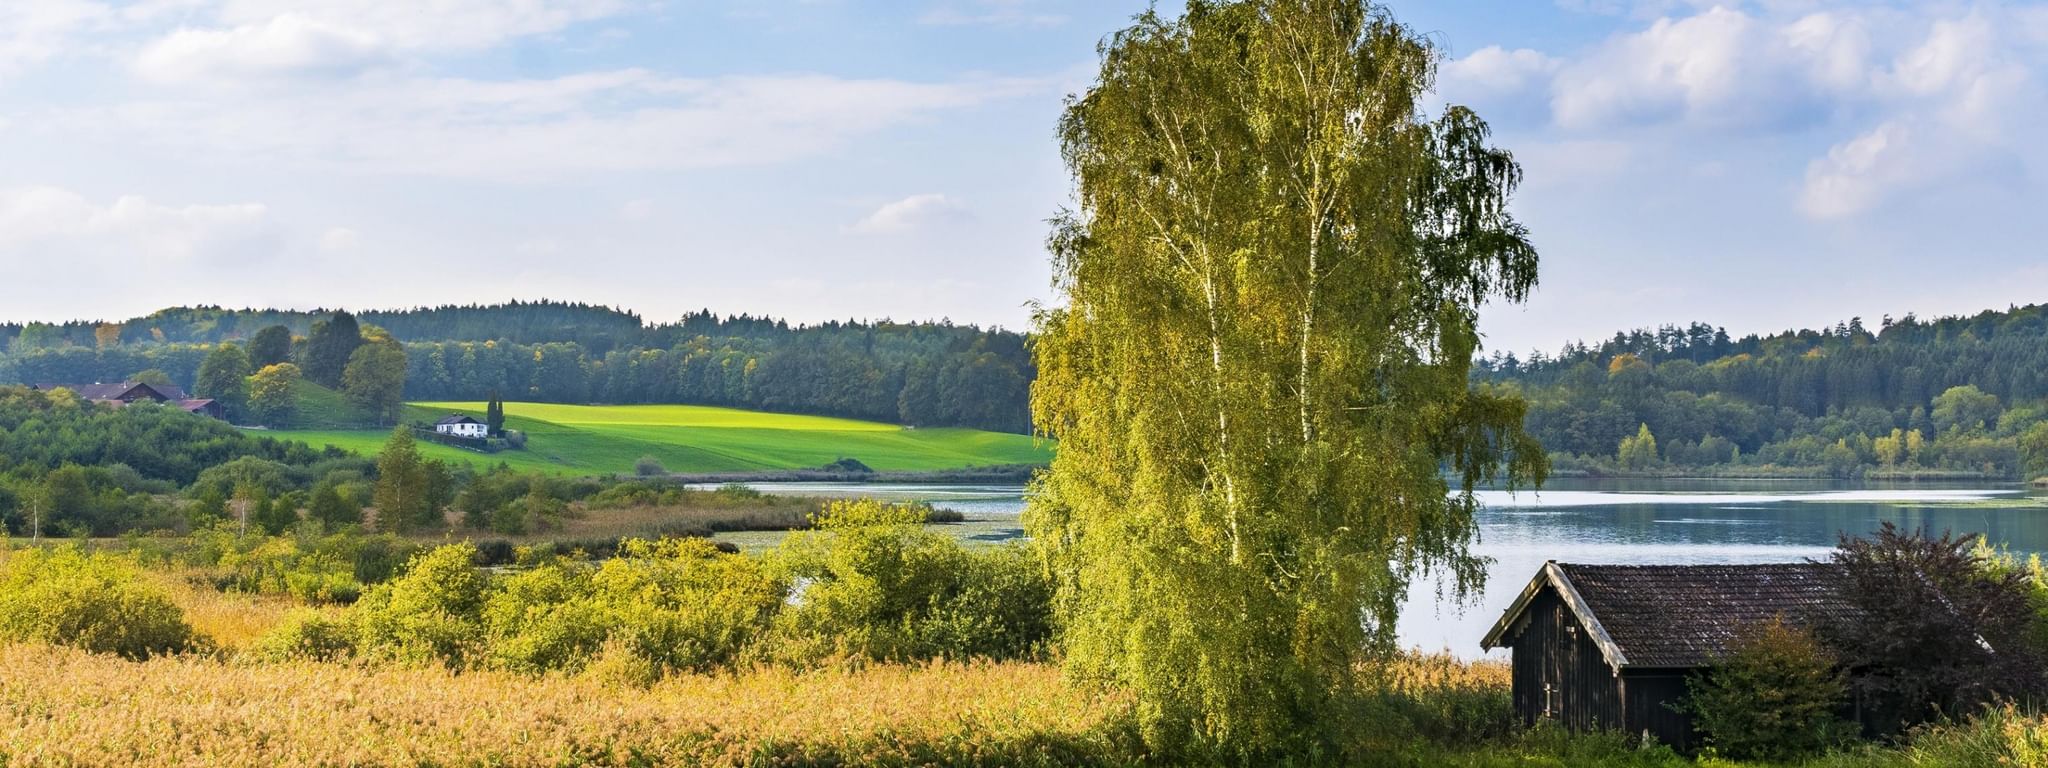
(49, 234)
(149, 232)
(1699, 67)
(912, 213)
(1002, 13)
(287, 45)
(340, 240)
(323, 38)
(33, 31)
(439, 24)
(626, 120)
(1901, 97)
(1494, 69)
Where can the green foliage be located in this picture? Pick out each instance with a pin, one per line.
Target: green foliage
(281, 566)
(96, 602)
(430, 614)
(271, 346)
(872, 584)
(1773, 698)
(274, 395)
(648, 466)
(1638, 451)
(329, 345)
(223, 378)
(1965, 409)
(1950, 397)
(1258, 368)
(374, 380)
(304, 636)
(2034, 447)
(331, 508)
(402, 496)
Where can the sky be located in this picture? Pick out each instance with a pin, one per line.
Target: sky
(1757, 165)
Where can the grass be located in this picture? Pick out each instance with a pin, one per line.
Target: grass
(323, 408)
(594, 439)
(64, 707)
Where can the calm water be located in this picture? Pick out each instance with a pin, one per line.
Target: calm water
(1635, 522)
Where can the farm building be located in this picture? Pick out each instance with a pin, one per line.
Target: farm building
(461, 426)
(1610, 646)
(127, 392)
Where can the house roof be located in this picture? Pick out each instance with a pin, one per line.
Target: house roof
(114, 391)
(456, 419)
(1680, 616)
(190, 404)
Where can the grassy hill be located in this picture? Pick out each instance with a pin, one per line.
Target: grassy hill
(596, 439)
(323, 408)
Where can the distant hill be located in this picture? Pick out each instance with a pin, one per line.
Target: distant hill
(926, 374)
(1825, 401)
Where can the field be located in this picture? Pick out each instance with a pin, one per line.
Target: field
(598, 439)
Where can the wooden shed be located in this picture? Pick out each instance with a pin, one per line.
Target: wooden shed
(1610, 646)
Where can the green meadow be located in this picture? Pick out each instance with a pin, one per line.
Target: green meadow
(598, 439)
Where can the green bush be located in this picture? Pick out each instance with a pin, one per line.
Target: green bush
(95, 602)
(278, 566)
(1774, 697)
(306, 635)
(871, 583)
(432, 613)
(678, 604)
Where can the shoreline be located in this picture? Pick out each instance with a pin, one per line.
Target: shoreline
(1005, 473)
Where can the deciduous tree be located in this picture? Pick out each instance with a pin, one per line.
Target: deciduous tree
(329, 346)
(273, 394)
(375, 380)
(223, 377)
(1258, 374)
(401, 494)
(271, 346)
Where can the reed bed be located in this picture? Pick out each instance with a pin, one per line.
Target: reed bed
(64, 707)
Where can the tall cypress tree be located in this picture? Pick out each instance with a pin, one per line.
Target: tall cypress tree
(494, 415)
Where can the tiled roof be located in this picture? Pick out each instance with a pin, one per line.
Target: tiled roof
(457, 419)
(1685, 615)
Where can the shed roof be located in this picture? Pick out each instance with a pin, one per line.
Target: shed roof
(1681, 616)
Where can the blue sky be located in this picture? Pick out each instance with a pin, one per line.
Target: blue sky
(1759, 165)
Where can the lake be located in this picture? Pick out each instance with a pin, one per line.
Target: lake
(1602, 521)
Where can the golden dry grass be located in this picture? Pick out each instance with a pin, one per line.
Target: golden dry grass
(230, 620)
(65, 707)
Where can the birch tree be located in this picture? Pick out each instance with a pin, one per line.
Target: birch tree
(1258, 370)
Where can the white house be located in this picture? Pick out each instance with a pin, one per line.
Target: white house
(460, 426)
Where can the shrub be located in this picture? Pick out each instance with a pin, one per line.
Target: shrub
(685, 604)
(432, 613)
(672, 605)
(1930, 612)
(305, 635)
(95, 602)
(1773, 698)
(278, 566)
(871, 583)
(648, 466)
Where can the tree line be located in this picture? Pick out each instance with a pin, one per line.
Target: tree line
(1954, 395)
(922, 374)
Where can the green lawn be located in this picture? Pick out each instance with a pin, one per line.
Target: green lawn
(597, 439)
